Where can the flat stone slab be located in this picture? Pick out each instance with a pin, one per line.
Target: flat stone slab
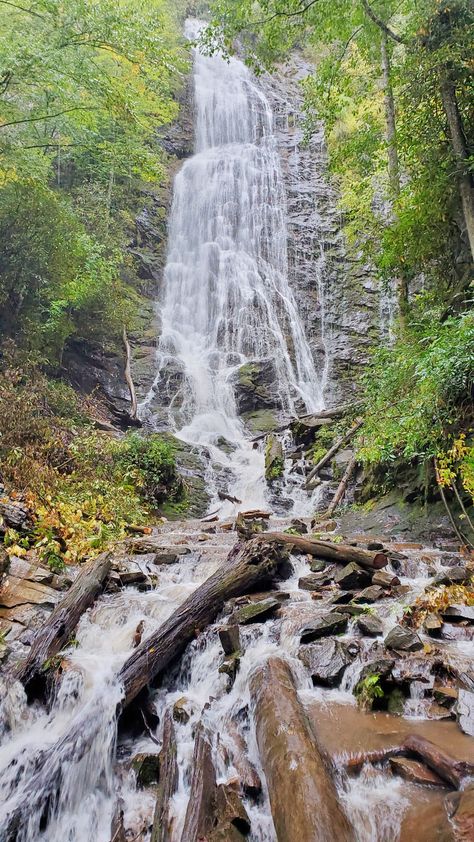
(370, 625)
(325, 626)
(403, 640)
(255, 612)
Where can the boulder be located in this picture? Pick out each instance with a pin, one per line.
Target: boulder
(256, 386)
(325, 626)
(317, 565)
(313, 581)
(256, 612)
(458, 575)
(370, 625)
(326, 661)
(352, 577)
(458, 613)
(465, 711)
(403, 640)
(379, 666)
(182, 710)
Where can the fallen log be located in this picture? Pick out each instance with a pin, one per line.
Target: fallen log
(200, 810)
(60, 625)
(302, 794)
(249, 779)
(447, 767)
(343, 553)
(223, 496)
(247, 565)
(128, 374)
(332, 451)
(168, 783)
(342, 487)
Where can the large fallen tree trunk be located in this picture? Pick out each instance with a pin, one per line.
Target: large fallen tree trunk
(332, 451)
(60, 625)
(303, 796)
(168, 783)
(246, 566)
(342, 487)
(343, 553)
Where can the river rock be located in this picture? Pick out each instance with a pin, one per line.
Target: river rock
(445, 694)
(457, 631)
(325, 626)
(415, 772)
(229, 637)
(230, 667)
(465, 711)
(299, 526)
(403, 640)
(317, 565)
(326, 661)
(379, 666)
(274, 458)
(256, 612)
(370, 624)
(313, 581)
(453, 576)
(147, 768)
(460, 809)
(458, 613)
(352, 577)
(370, 594)
(432, 625)
(182, 710)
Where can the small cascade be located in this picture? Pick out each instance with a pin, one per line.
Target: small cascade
(227, 300)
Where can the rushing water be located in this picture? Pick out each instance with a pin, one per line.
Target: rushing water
(227, 300)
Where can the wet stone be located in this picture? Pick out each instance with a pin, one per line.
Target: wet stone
(458, 613)
(352, 577)
(256, 612)
(230, 667)
(379, 666)
(147, 768)
(453, 576)
(370, 625)
(229, 637)
(457, 631)
(465, 711)
(370, 594)
(317, 565)
(403, 640)
(350, 610)
(326, 661)
(325, 626)
(313, 581)
(182, 710)
(445, 695)
(415, 772)
(432, 625)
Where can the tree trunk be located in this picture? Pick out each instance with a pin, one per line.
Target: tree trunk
(168, 782)
(333, 450)
(59, 627)
(128, 375)
(246, 566)
(390, 125)
(458, 142)
(342, 487)
(303, 797)
(342, 553)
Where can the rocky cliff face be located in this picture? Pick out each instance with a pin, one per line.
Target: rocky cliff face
(338, 298)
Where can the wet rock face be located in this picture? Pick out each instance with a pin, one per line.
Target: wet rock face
(256, 387)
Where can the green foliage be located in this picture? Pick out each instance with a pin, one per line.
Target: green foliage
(414, 391)
(368, 691)
(151, 461)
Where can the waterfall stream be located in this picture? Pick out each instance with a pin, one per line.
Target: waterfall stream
(227, 300)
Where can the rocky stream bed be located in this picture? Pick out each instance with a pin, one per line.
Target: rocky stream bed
(331, 701)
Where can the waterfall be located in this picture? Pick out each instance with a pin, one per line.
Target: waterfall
(227, 300)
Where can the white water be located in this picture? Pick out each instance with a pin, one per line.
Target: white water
(227, 300)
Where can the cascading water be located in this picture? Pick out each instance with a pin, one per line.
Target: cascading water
(227, 300)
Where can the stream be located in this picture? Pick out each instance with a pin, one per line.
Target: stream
(226, 303)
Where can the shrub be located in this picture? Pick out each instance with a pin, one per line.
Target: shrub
(151, 462)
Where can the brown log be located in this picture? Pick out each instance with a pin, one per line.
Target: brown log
(60, 625)
(447, 767)
(246, 566)
(168, 783)
(342, 553)
(303, 796)
(342, 487)
(333, 450)
(249, 779)
(200, 811)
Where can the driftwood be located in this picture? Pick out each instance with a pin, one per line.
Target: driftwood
(168, 782)
(303, 796)
(332, 451)
(246, 566)
(342, 553)
(342, 487)
(128, 375)
(447, 767)
(60, 625)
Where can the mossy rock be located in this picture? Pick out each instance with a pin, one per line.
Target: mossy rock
(261, 421)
